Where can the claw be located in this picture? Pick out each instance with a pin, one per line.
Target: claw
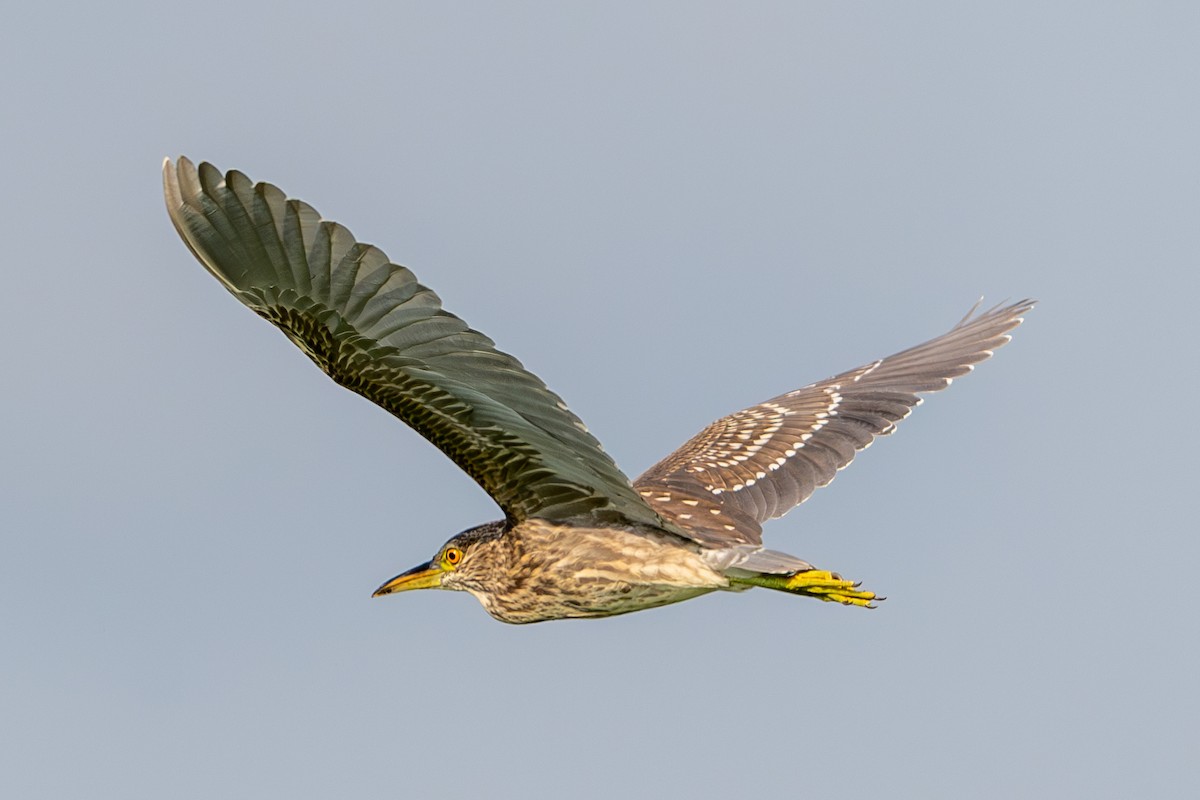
(831, 588)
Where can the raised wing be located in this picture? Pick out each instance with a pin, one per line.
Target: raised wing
(374, 329)
(759, 463)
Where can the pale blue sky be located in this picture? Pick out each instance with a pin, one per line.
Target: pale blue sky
(668, 211)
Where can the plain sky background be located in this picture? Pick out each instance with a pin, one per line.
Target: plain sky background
(668, 211)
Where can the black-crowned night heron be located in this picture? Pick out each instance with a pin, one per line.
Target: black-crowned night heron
(578, 539)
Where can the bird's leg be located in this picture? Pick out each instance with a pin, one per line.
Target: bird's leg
(830, 587)
(827, 586)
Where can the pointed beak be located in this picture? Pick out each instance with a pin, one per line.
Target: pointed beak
(424, 576)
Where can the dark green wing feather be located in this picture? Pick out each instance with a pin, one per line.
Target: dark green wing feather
(374, 329)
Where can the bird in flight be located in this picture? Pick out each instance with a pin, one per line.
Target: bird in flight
(578, 538)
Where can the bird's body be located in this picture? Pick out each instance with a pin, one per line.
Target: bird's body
(537, 570)
(579, 539)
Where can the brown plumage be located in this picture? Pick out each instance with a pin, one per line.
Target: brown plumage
(578, 538)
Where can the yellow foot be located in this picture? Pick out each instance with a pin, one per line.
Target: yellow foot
(830, 587)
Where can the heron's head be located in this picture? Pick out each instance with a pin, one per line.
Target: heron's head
(459, 564)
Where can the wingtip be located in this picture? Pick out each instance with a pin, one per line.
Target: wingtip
(178, 162)
(170, 184)
(1004, 307)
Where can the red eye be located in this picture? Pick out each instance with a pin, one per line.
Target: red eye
(453, 556)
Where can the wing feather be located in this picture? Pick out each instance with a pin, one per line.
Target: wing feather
(374, 329)
(764, 460)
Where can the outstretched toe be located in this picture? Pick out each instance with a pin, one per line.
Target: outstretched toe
(831, 587)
